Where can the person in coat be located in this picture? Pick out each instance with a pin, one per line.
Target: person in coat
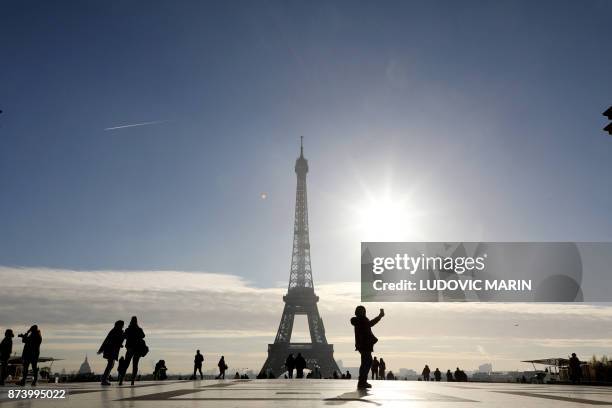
(382, 367)
(110, 349)
(135, 348)
(6, 348)
(364, 343)
(300, 365)
(198, 359)
(290, 364)
(31, 352)
(222, 367)
(375, 365)
(425, 373)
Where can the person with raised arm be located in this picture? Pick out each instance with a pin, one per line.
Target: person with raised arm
(364, 342)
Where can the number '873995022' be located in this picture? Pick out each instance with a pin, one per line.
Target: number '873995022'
(36, 394)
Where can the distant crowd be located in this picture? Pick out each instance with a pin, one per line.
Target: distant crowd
(136, 348)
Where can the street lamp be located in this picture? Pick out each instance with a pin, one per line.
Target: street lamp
(608, 114)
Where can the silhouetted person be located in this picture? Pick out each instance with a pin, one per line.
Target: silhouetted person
(364, 342)
(382, 366)
(31, 351)
(426, 372)
(222, 367)
(290, 364)
(335, 375)
(300, 365)
(390, 376)
(110, 349)
(159, 373)
(198, 359)
(375, 365)
(316, 372)
(135, 348)
(348, 375)
(121, 368)
(437, 374)
(449, 375)
(460, 375)
(6, 348)
(575, 371)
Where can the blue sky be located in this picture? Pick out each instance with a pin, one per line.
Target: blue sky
(472, 120)
(488, 112)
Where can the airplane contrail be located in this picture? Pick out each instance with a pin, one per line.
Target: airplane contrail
(154, 122)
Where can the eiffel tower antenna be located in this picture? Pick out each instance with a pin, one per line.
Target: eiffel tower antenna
(300, 298)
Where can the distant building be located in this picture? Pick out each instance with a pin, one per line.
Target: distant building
(407, 373)
(85, 368)
(485, 368)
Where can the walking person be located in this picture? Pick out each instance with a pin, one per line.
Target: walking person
(31, 351)
(382, 366)
(6, 348)
(375, 365)
(110, 349)
(300, 365)
(425, 373)
(290, 364)
(222, 367)
(198, 359)
(135, 348)
(364, 342)
(437, 374)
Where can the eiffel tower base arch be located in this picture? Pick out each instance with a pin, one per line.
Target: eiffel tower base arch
(314, 354)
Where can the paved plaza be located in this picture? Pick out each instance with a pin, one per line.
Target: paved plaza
(317, 393)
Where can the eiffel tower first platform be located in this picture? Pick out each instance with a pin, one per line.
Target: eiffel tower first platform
(300, 298)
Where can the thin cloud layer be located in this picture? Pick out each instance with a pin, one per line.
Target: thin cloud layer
(225, 314)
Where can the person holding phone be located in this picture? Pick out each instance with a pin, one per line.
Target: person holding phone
(364, 342)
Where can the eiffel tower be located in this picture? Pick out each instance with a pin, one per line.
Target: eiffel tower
(300, 298)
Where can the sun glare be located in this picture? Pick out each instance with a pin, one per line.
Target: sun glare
(386, 219)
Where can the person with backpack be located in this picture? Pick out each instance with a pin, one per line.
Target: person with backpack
(136, 348)
(222, 367)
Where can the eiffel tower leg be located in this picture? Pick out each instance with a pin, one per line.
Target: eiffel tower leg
(275, 363)
(286, 325)
(315, 325)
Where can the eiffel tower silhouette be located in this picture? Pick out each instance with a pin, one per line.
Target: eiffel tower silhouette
(300, 298)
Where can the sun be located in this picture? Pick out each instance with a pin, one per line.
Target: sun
(387, 217)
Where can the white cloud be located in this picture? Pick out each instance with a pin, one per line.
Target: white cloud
(225, 314)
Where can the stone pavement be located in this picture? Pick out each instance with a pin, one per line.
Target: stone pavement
(316, 393)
